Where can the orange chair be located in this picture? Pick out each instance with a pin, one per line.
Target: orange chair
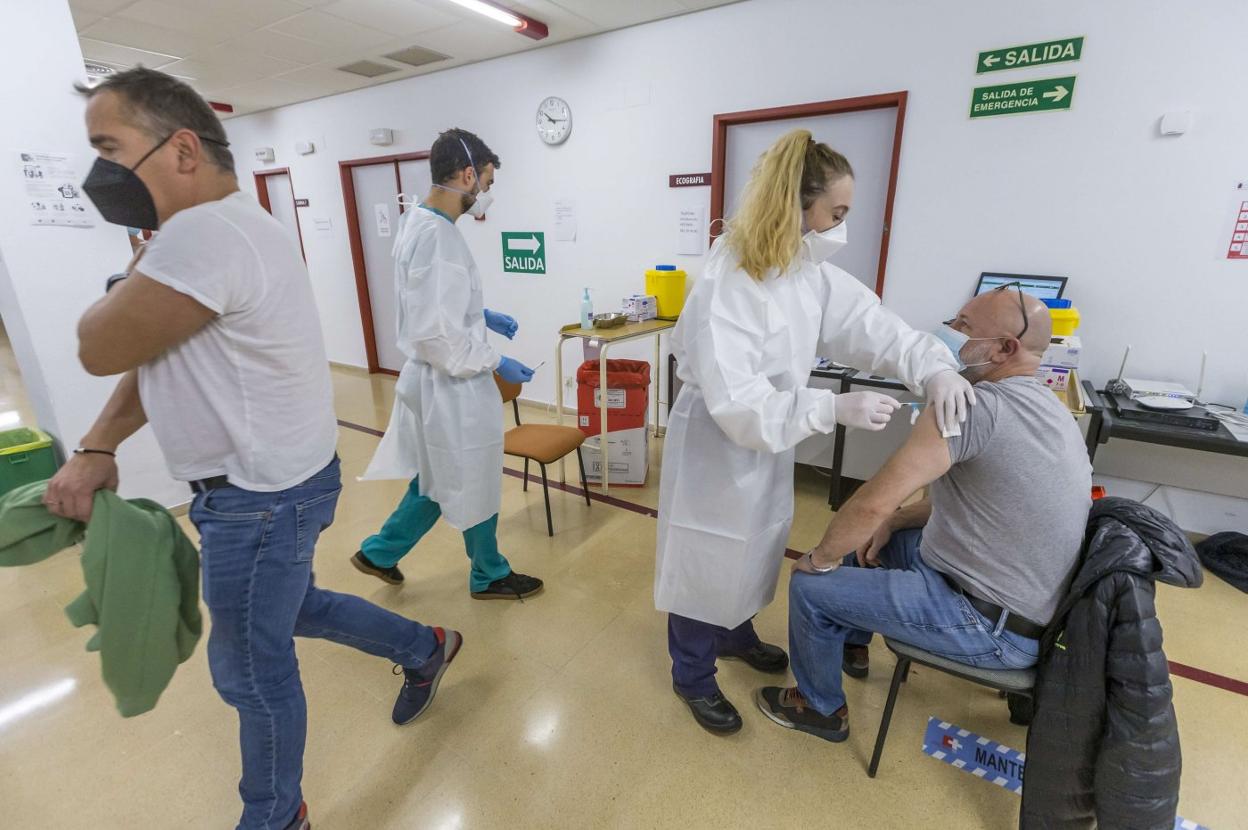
(543, 443)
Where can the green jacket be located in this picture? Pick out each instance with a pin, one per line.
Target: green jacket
(142, 576)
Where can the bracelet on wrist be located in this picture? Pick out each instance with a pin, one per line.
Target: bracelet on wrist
(88, 451)
(810, 557)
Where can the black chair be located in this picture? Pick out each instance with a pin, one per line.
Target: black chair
(1010, 682)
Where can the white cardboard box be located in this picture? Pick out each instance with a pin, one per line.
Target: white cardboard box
(1063, 351)
(641, 307)
(1056, 378)
(629, 455)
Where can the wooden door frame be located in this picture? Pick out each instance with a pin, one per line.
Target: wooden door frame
(345, 170)
(262, 194)
(719, 151)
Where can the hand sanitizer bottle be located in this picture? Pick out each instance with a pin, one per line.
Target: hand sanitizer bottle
(587, 311)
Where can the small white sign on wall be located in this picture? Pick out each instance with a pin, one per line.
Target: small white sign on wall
(565, 221)
(692, 231)
(1238, 248)
(53, 191)
(382, 212)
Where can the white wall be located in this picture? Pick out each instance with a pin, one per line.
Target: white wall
(1136, 221)
(48, 276)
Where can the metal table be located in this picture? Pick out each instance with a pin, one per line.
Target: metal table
(849, 378)
(609, 338)
(1106, 424)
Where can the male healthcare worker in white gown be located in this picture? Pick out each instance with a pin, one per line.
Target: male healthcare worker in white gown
(446, 429)
(766, 305)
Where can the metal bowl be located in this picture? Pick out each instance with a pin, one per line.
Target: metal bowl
(609, 321)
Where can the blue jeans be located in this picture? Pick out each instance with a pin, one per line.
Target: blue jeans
(904, 599)
(414, 517)
(256, 551)
(694, 645)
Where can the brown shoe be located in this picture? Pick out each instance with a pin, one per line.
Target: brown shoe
(856, 661)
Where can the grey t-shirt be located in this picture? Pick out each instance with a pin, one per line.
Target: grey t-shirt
(1008, 518)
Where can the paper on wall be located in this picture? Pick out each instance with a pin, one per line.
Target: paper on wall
(53, 190)
(565, 220)
(692, 231)
(1238, 248)
(382, 212)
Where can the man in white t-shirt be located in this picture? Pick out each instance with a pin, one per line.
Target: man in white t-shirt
(215, 333)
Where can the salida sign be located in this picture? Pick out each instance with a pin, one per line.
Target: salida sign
(1032, 54)
(524, 252)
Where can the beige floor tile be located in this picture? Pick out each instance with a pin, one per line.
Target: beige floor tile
(1213, 729)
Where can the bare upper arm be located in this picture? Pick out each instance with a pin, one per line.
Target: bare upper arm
(135, 323)
(920, 461)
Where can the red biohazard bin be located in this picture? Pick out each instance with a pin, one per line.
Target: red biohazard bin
(628, 395)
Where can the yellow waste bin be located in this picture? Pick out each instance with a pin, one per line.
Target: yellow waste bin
(1065, 321)
(666, 283)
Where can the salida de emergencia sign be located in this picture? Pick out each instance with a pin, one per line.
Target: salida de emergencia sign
(1024, 96)
(524, 252)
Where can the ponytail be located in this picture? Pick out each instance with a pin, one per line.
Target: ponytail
(766, 231)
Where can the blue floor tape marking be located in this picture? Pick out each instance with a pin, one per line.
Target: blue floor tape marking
(988, 760)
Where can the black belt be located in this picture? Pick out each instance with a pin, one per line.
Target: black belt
(206, 484)
(218, 482)
(1015, 624)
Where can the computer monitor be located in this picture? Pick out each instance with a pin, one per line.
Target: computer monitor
(1046, 288)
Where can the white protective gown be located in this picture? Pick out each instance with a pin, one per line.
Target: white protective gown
(446, 425)
(745, 351)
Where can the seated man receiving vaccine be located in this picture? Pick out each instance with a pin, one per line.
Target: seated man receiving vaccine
(974, 572)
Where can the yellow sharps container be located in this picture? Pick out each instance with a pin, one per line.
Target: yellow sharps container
(666, 283)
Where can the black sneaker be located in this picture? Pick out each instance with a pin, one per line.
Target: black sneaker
(790, 709)
(420, 685)
(856, 661)
(763, 656)
(362, 564)
(512, 586)
(714, 713)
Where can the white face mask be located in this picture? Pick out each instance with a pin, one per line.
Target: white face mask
(478, 208)
(823, 245)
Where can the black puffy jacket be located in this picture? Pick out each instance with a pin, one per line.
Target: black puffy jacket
(1103, 747)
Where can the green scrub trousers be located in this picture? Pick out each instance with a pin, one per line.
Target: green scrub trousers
(414, 517)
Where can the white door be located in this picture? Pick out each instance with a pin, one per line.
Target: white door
(377, 205)
(282, 203)
(865, 138)
(415, 179)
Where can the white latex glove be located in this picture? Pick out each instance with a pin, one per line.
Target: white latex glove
(865, 410)
(952, 397)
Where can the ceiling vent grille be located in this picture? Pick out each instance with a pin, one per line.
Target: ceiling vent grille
(368, 69)
(416, 56)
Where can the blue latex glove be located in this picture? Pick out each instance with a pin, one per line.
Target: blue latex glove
(513, 371)
(501, 324)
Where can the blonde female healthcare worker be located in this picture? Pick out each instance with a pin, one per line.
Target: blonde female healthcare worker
(766, 305)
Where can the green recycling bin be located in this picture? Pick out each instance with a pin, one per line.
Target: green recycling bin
(26, 455)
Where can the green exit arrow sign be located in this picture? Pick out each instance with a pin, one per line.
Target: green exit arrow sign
(1031, 54)
(1025, 96)
(524, 252)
